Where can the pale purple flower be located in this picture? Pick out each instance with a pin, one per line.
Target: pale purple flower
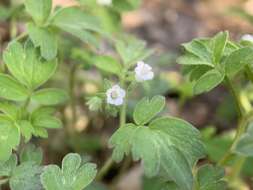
(247, 37)
(104, 2)
(115, 95)
(143, 72)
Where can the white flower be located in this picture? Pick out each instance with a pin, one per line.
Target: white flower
(115, 95)
(247, 37)
(104, 2)
(143, 72)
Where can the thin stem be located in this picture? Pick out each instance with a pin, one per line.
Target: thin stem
(109, 163)
(72, 93)
(243, 120)
(3, 181)
(21, 36)
(249, 73)
(239, 132)
(235, 96)
(104, 170)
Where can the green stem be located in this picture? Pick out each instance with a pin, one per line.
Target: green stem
(21, 36)
(236, 97)
(72, 94)
(3, 181)
(104, 170)
(122, 121)
(249, 73)
(239, 132)
(242, 122)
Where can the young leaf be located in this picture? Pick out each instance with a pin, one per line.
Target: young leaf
(42, 118)
(108, 64)
(132, 50)
(9, 138)
(44, 39)
(26, 176)
(10, 89)
(220, 42)
(26, 129)
(73, 175)
(50, 96)
(77, 23)
(146, 109)
(238, 59)
(191, 59)
(26, 65)
(245, 144)
(169, 147)
(6, 168)
(200, 49)
(211, 178)
(9, 109)
(39, 9)
(30, 153)
(208, 81)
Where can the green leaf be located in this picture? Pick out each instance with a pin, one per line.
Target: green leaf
(26, 129)
(199, 47)
(42, 118)
(208, 81)
(77, 23)
(108, 64)
(238, 59)
(50, 96)
(26, 176)
(191, 59)
(10, 89)
(168, 147)
(44, 39)
(9, 138)
(126, 5)
(39, 9)
(146, 109)
(31, 153)
(245, 144)
(220, 42)
(6, 168)
(72, 176)
(158, 184)
(9, 109)
(26, 65)
(132, 50)
(211, 178)
(45, 121)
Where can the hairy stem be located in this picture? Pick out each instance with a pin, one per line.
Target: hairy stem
(243, 120)
(236, 97)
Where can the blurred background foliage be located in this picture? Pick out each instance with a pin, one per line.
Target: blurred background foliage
(164, 25)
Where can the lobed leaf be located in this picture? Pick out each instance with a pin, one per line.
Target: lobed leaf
(238, 59)
(10, 89)
(44, 39)
(211, 178)
(72, 176)
(108, 64)
(146, 109)
(26, 65)
(208, 81)
(168, 147)
(39, 9)
(49, 96)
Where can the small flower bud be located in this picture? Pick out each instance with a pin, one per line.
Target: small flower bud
(95, 103)
(247, 37)
(104, 2)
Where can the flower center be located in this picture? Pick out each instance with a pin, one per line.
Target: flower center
(114, 94)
